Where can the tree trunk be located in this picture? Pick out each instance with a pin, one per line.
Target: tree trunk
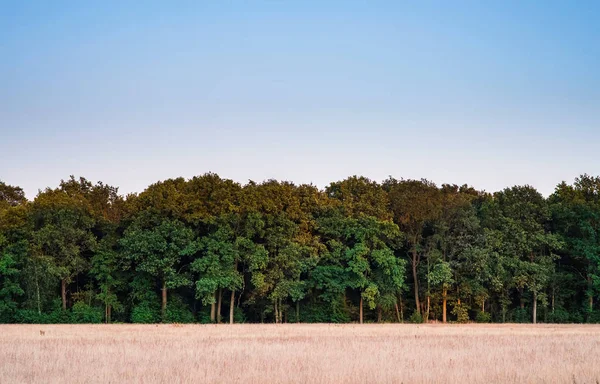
(280, 312)
(414, 272)
(521, 302)
(298, 311)
(397, 312)
(231, 307)
(213, 308)
(379, 315)
(219, 305)
(402, 310)
(534, 307)
(428, 306)
(444, 302)
(37, 289)
(109, 318)
(483, 305)
(361, 310)
(63, 292)
(591, 296)
(163, 309)
(276, 313)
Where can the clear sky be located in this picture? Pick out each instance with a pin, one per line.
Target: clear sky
(488, 93)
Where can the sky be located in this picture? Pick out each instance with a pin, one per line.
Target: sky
(490, 94)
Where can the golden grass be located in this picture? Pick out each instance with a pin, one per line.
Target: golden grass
(300, 354)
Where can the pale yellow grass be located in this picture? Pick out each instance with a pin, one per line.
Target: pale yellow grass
(299, 354)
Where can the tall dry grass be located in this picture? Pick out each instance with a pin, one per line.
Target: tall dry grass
(300, 354)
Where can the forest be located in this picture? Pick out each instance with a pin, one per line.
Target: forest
(208, 249)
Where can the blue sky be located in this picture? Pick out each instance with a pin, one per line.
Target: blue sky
(491, 94)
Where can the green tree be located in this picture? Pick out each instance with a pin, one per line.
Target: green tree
(523, 218)
(576, 217)
(415, 204)
(62, 235)
(156, 247)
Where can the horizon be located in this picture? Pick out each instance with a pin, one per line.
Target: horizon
(32, 196)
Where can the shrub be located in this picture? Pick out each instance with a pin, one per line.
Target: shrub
(416, 317)
(82, 313)
(30, 316)
(238, 316)
(178, 312)
(461, 311)
(483, 317)
(594, 317)
(560, 315)
(522, 316)
(145, 313)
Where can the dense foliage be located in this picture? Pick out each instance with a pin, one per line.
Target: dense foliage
(209, 249)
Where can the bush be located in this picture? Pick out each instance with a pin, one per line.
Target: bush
(178, 312)
(560, 315)
(594, 317)
(483, 317)
(522, 316)
(81, 313)
(30, 316)
(321, 312)
(204, 315)
(238, 316)
(461, 311)
(145, 313)
(416, 318)
(577, 317)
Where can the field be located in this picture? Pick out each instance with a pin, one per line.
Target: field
(300, 353)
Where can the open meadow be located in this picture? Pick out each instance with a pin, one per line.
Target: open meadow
(300, 353)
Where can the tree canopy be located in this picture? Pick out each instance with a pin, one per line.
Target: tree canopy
(207, 249)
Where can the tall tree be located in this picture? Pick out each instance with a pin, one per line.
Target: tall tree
(62, 235)
(415, 204)
(156, 247)
(523, 218)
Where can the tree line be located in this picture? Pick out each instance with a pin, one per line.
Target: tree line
(209, 249)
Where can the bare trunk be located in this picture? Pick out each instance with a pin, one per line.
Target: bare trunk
(591, 296)
(444, 302)
(213, 309)
(298, 311)
(553, 301)
(534, 307)
(361, 309)
(521, 302)
(414, 272)
(483, 305)
(109, 317)
(398, 313)
(219, 305)
(231, 307)
(163, 310)
(428, 306)
(276, 313)
(37, 288)
(107, 309)
(402, 310)
(63, 292)
(379, 315)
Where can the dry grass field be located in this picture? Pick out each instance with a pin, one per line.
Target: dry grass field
(299, 354)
